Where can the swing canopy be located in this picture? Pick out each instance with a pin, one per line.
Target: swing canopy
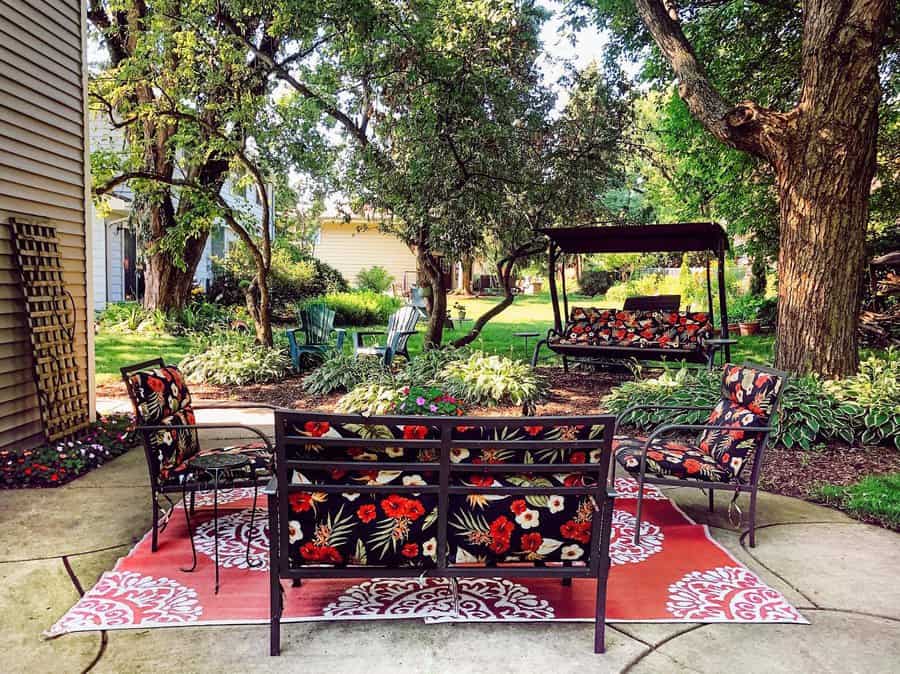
(628, 238)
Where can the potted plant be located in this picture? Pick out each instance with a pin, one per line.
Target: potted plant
(460, 311)
(745, 311)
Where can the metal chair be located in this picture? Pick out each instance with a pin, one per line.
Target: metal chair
(317, 326)
(401, 325)
(738, 427)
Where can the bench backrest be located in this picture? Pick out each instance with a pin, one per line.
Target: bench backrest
(652, 302)
(684, 330)
(439, 492)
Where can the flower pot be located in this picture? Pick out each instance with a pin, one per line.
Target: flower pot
(460, 315)
(749, 328)
(733, 328)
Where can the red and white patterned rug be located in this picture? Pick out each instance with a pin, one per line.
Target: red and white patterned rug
(678, 573)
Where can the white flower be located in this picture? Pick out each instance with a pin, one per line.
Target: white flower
(394, 452)
(594, 456)
(458, 454)
(294, 532)
(528, 518)
(429, 548)
(350, 496)
(570, 552)
(413, 480)
(555, 503)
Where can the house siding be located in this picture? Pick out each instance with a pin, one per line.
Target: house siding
(352, 246)
(43, 173)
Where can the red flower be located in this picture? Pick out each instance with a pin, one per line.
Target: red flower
(656, 456)
(300, 501)
(533, 430)
(501, 531)
(337, 474)
(518, 506)
(463, 429)
(396, 506)
(577, 531)
(531, 542)
(414, 432)
(410, 550)
(577, 457)
(692, 466)
(366, 513)
(325, 553)
(573, 480)
(481, 480)
(317, 428)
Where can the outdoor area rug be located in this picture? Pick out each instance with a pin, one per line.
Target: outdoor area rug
(678, 573)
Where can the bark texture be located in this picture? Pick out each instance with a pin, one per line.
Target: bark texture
(823, 153)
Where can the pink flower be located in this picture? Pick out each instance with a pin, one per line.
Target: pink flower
(420, 400)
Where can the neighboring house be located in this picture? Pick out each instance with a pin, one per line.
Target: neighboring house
(43, 179)
(351, 242)
(116, 246)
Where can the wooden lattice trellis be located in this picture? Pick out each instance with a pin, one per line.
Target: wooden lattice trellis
(50, 311)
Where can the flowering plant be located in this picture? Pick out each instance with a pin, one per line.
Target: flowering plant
(428, 401)
(55, 464)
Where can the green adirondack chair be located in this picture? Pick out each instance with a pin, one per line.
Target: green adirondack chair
(401, 325)
(317, 326)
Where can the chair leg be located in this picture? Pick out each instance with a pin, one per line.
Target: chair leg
(640, 508)
(712, 503)
(276, 602)
(296, 582)
(193, 493)
(154, 541)
(753, 518)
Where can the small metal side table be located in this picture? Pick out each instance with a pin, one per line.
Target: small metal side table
(218, 468)
(525, 336)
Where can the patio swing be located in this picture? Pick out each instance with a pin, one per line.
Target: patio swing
(646, 328)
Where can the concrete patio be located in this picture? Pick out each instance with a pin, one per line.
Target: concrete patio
(840, 573)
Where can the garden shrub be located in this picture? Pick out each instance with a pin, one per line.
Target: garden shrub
(370, 398)
(428, 401)
(61, 462)
(595, 282)
(426, 367)
(358, 308)
(376, 278)
(863, 408)
(494, 380)
(197, 316)
(340, 372)
(232, 358)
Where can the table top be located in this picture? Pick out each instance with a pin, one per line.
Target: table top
(526, 334)
(221, 461)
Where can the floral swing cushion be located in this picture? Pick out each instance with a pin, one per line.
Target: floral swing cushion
(400, 529)
(161, 398)
(748, 399)
(640, 328)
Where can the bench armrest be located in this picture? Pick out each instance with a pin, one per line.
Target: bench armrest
(271, 488)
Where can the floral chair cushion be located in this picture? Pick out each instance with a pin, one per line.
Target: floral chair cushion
(667, 458)
(640, 329)
(748, 399)
(400, 529)
(161, 398)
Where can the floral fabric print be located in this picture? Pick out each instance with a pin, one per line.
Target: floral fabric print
(161, 398)
(669, 459)
(639, 329)
(400, 529)
(748, 399)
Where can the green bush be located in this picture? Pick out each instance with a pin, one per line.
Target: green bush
(340, 372)
(197, 316)
(370, 398)
(358, 308)
(231, 358)
(481, 379)
(745, 308)
(595, 282)
(428, 401)
(426, 367)
(377, 279)
(864, 408)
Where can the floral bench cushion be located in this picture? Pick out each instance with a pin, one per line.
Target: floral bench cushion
(161, 398)
(400, 529)
(668, 458)
(637, 329)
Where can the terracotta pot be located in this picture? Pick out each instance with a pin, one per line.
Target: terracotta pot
(749, 328)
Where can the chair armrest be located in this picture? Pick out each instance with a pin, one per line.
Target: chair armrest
(199, 427)
(633, 408)
(367, 333)
(237, 406)
(665, 428)
(339, 331)
(271, 489)
(406, 333)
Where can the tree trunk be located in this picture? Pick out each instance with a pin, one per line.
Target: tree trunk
(435, 332)
(166, 285)
(468, 264)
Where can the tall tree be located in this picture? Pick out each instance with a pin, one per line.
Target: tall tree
(152, 67)
(822, 148)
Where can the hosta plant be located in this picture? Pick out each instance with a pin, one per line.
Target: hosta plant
(340, 372)
(487, 380)
(371, 398)
(231, 358)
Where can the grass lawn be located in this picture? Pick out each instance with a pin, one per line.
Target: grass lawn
(874, 498)
(112, 350)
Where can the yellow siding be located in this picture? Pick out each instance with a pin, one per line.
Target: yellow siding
(42, 178)
(352, 246)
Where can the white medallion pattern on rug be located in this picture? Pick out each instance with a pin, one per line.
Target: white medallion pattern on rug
(128, 598)
(627, 487)
(476, 599)
(234, 532)
(622, 549)
(205, 498)
(728, 593)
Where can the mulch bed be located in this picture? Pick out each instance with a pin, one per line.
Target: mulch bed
(789, 472)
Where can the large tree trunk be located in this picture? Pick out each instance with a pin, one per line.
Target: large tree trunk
(823, 151)
(468, 263)
(434, 333)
